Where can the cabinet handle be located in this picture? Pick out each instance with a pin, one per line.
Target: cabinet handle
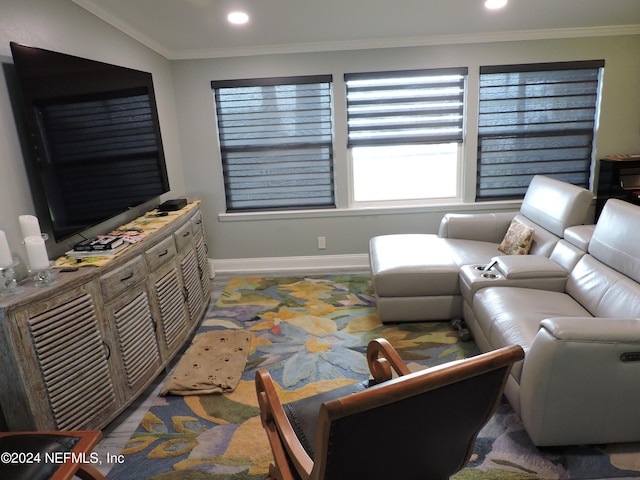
(108, 350)
(128, 277)
(163, 253)
(186, 234)
(185, 293)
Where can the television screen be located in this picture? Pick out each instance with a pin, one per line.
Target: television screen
(95, 137)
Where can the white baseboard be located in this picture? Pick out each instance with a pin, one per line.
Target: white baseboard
(287, 264)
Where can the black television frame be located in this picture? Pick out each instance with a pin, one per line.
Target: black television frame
(95, 147)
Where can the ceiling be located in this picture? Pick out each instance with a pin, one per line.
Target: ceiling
(188, 29)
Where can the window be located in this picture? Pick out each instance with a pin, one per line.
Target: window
(405, 131)
(535, 119)
(276, 142)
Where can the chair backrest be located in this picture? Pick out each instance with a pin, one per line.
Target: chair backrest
(421, 425)
(555, 205)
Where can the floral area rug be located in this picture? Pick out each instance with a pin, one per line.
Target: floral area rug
(311, 334)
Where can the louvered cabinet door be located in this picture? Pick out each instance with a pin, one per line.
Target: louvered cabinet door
(74, 361)
(135, 331)
(171, 311)
(190, 270)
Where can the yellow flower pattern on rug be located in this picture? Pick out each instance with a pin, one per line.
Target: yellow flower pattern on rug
(311, 334)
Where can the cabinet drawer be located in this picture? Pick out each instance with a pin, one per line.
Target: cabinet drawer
(184, 236)
(123, 278)
(197, 225)
(160, 254)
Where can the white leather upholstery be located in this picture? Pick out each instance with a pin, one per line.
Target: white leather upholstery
(615, 238)
(415, 276)
(575, 389)
(573, 386)
(555, 205)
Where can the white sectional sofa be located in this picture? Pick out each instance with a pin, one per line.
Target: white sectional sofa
(580, 380)
(415, 276)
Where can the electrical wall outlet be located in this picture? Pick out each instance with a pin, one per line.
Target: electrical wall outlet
(322, 243)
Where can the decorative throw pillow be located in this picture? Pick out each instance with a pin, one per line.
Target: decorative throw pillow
(517, 240)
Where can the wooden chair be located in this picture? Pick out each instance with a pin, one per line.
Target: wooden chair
(420, 425)
(49, 455)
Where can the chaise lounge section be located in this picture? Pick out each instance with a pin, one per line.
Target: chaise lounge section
(415, 276)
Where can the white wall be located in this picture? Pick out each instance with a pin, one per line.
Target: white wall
(348, 232)
(62, 26)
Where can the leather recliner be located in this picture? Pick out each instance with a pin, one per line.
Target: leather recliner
(579, 382)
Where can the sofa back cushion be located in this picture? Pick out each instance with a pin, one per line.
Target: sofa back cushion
(543, 241)
(603, 291)
(615, 238)
(555, 205)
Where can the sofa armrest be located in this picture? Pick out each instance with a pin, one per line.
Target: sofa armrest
(593, 329)
(515, 267)
(487, 227)
(579, 382)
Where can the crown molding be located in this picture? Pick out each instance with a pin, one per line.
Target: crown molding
(365, 44)
(422, 41)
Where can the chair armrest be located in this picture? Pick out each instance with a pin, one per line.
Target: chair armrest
(279, 430)
(487, 227)
(579, 381)
(382, 357)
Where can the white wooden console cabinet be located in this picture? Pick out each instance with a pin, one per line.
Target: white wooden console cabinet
(75, 354)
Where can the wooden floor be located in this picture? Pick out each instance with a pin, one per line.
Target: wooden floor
(118, 432)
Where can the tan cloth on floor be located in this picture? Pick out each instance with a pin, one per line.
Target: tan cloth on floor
(213, 363)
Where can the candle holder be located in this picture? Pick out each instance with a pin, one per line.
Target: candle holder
(42, 277)
(8, 282)
(45, 237)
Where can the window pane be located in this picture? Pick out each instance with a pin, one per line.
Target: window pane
(276, 143)
(535, 120)
(405, 172)
(405, 131)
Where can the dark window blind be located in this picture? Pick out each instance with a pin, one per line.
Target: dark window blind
(276, 142)
(535, 119)
(407, 107)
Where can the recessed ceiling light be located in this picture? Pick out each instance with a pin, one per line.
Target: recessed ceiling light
(495, 4)
(238, 18)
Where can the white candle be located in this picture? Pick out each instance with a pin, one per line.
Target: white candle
(5, 253)
(37, 253)
(30, 226)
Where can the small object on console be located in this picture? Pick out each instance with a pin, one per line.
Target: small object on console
(172, 205)
(490, 265)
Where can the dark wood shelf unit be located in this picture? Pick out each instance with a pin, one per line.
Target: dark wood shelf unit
(618, 179)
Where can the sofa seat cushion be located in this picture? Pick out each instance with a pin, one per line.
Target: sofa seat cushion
(412, 265)
(512, 315)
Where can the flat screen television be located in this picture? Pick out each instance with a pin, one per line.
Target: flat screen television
(94, 136)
